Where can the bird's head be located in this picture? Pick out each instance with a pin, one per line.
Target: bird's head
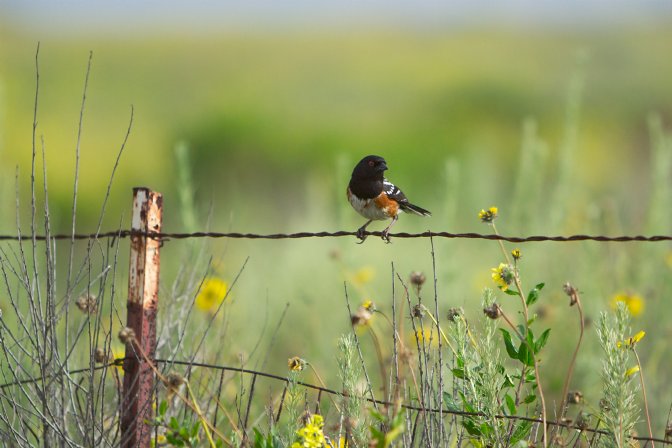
(370, 167)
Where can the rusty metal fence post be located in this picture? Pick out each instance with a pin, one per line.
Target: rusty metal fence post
(142, 305)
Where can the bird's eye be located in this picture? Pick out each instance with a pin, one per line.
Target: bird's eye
(371, 163)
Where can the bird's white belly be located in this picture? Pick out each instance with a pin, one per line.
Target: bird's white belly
(367, 208)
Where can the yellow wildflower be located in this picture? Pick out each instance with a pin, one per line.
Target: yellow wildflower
(161, 440)
(363, 275)
(211, 294)
(488, 215)
(631, 341)
(427, 336)
(312, 435)
(368, 305)
(502, 276)
(634, 302)
(631, 371)
(296, 364)
(515, 253)
(118, 355)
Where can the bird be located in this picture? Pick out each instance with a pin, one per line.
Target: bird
(376, 198)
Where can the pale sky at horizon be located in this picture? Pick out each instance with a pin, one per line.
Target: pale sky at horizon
(207, 15)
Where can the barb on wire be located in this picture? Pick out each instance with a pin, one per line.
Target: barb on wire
(119, 361)
(341, 233)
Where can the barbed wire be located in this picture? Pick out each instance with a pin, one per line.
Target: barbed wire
(167, 236)
(119, 361)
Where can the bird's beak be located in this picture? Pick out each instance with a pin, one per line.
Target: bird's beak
(382, 167)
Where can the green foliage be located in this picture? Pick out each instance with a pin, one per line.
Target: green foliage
(180, 433)
(386, 429)
(270, 440)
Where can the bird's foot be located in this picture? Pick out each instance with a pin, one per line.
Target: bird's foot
(361, 234)
(385, 236)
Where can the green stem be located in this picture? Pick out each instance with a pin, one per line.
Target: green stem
(646, 402)
(519, 287)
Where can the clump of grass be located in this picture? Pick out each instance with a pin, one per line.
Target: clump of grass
(618, 407)
(350, 372)
(294, 405)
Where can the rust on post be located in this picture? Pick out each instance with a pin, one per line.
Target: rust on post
(142, 305)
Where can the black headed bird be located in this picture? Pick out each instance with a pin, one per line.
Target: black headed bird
(375, 197)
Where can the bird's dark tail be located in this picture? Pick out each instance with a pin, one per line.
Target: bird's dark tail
(410, 208)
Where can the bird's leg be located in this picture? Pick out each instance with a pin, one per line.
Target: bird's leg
(361, 231)
(386, 232)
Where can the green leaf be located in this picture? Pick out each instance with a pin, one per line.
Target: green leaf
(471, 427)
(486, 429)
(508, 343)
(510, 404)
(195, 428)
(258, 438)
(476, 443)
(467, 406)
(508, 382)
(458, 373)
(524, 355)
(521, 432)
(163, 407)
(377, 416)
(511, 292)
(174, 424)
(521, 329)
(533, 296)
(450, 402)
(530, 399)
(539, 344)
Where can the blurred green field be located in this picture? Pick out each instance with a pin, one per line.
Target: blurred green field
(275, 122)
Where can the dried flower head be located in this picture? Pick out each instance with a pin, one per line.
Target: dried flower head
(493, 311)
(516, 254)
(306, 417)
(87, 304)
(126, 335)
(488, 215)
(296, 364)
(572, 292)
(604, 405)
(362, 316)
(418, 311)
(582, 421)
(503, 276)
(100, 356)
(453, 313)
(418, 279)
(575, 397)
(173, 381)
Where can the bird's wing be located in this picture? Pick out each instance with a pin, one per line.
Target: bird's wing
(393, 192)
